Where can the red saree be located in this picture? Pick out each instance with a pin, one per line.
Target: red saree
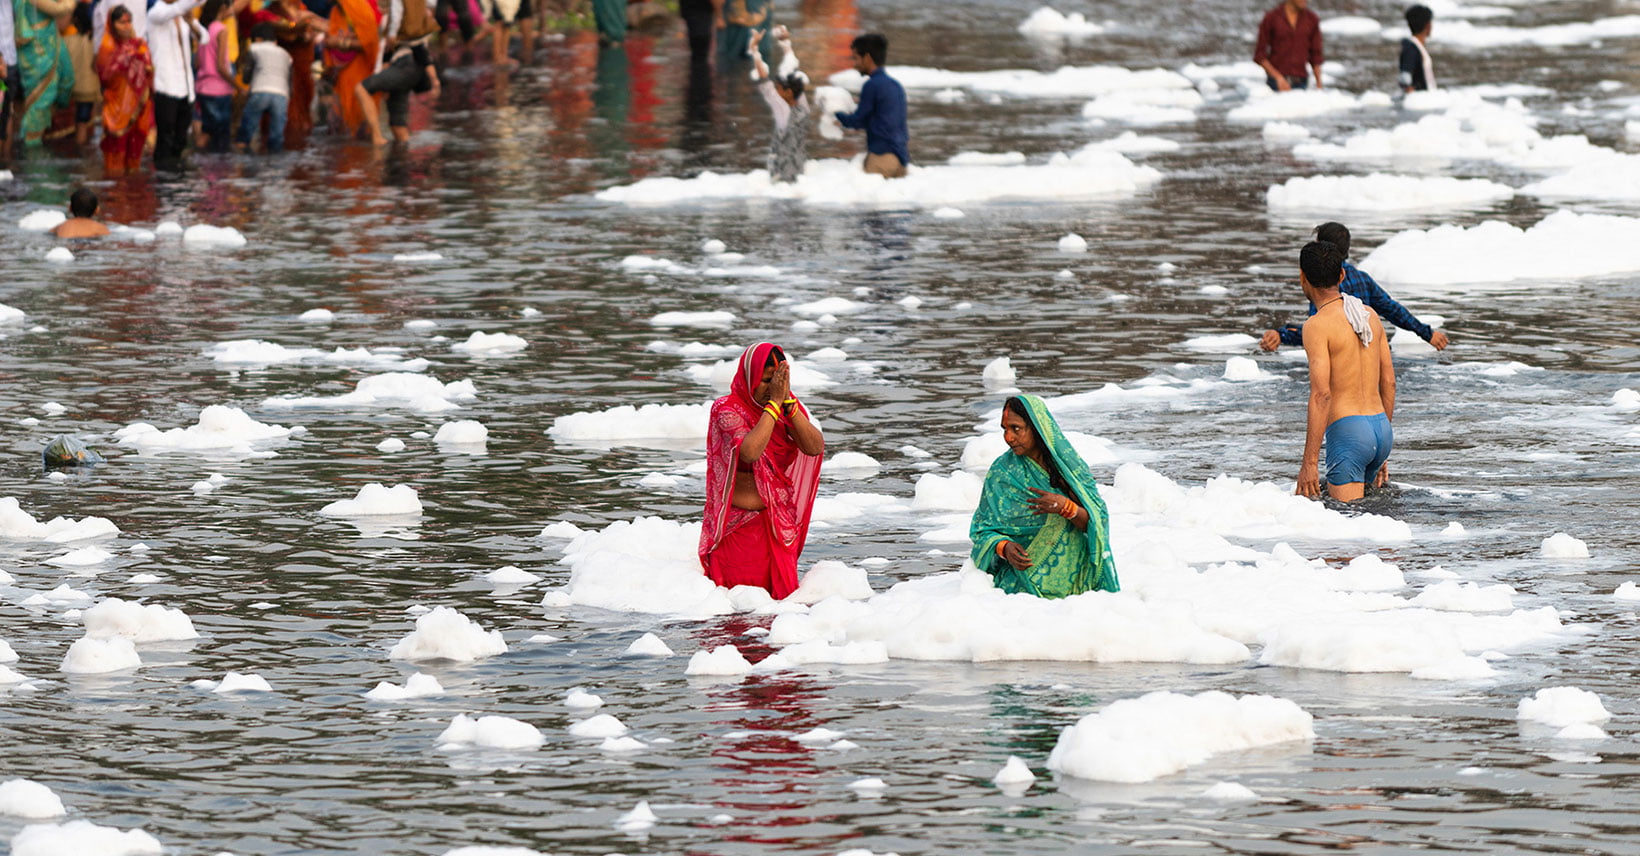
(127, 75)
(755, 548)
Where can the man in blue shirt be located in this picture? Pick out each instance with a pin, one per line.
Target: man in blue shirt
(882, 110)
(1359, 284)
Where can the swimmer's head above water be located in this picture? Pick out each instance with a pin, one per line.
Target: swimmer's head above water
(83, 203)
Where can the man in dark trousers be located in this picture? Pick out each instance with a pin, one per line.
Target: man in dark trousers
(881, 112)
(1289, 37)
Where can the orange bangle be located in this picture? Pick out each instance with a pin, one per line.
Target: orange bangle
(1001, 545)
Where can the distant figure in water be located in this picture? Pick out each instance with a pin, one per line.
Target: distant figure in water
(1362, 286)
(881, 112)
(82, 208)
(1288, 38)
(1417, 70)
(762, 473)
(789, 147)
(1041, 527)
(1352, 383)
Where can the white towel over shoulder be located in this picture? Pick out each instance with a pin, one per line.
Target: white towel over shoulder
(1360, 318)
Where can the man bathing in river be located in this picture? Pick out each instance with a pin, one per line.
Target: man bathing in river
(1360, 285)
(82, 209)
(1352, 383)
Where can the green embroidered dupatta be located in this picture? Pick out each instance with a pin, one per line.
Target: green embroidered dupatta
(1063, 561)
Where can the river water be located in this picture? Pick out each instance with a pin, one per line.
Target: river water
(499, 181)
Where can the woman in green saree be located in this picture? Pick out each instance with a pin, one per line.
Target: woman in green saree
(48, 71)
(1041, 527)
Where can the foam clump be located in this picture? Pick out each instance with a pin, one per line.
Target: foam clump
(711, 318)
(852, 465)
(1627, 591)
(1379, 192)
(42, 220)
(205, 235)
(713, 247)
(1145, 738)
(1560, 707)
(466, 432)
(1013, 773)
(622, 745)
(1073, 243)
(725, 660)
(375, 500)
(489, 732)
(646, 565)
(511, 575)
(418, 685)
(1230, 792)
(1225, 342)
(1263, 105)
(561, 529)
(83, 838)
(137, 622)
(221, 430)
(650, 645)
(1050, 22)
(29, 799)
(408, 390)
(90, 655)
(482, 344)
(602, 726)
(1563, 546)
(1455, 596)
(257, 352)
(445, 634)
(234, 682)
(627, 423)
(999, 372)
(579, 699)
(831, 578)
(11, 314)
(640, 818)
(81, 558)
(390, 445)
(946, 212)
(1563, 246)
(59, 255)
(1243, 369)
(1285, 132)
(486, 850)
(419, 256)
(958, 491)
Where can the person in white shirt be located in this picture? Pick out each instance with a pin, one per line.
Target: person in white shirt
(270, 90)
(169, 30)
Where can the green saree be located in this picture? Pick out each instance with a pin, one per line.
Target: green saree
(1063, 561)
(46, 68)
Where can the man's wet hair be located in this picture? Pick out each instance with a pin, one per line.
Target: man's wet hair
(82, 203)
(1322, 264)
(872, 45)
(264, 32)
(794, 83)
(1418, 17)
(1336, 234)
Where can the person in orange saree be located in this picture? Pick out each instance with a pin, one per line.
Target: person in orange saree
(351, 53)
(762, 473)
(127, 74)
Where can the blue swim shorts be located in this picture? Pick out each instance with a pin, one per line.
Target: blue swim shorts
(1356, 447)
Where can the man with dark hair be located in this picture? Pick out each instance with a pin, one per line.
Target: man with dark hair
(1417, 71)
(881, 112)
(1362, 286)
(1352, 383)
(82, 207)
(1288, 38)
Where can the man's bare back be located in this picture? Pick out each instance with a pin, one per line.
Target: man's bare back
(1354, 371)
(79, 227)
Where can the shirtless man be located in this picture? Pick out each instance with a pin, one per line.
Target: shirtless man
(82, 207)
(1352, 383)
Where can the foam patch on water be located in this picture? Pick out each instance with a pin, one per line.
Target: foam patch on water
(1048, 22)
(30, 800)
(482, 344)
(91, 655)
(445, 634)
(462, 434)
(18, 525)
(377, 500)
(137, 622)
(489, 732)
(241, 353)
(1088, 174)
(221, 430)
(1266, 106)
(1131, 143)
(1143, 739)
(205, 236)
(1562, 246)
(418, 685)
(602, 726)
(235, 682)
(1463, 34)
(710, 318)
(1560, 707)
(1064, 82)
(1563, 546)
(1379, 192)
(1614, 178)
(83, 838)
(42, 220)
(415, 392)
(1350, 25)
(671, 424)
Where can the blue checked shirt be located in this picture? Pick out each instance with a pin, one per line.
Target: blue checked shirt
(1360, 285)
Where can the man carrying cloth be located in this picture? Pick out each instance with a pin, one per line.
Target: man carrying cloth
(1288, 38)
(1352, 383)
(1357, 283)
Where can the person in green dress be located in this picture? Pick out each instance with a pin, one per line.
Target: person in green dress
(1041, 527)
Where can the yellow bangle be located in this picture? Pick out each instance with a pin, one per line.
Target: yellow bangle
(772, 410)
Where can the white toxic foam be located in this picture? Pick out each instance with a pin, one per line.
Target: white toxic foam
(445, 634)
(465, 432)
(649, 645)
(710, 318)
(1456, 596)
(723, 660)
(1051, 23)
(18, 525)
(235, 682)
(59, 255)
(599, 727)
(1243, 369)
(1606, 178)
(999, 372)
(83, 838)
(418, 685)
(42, 220)
(1131, 143)
(1231, 343)
(393, 389)
(81, 558)
(1351, 25)
(489, 732)
(390, 445)
(830, 578)
(1285, 132)
(1463, 34)
(137, 622)
(256, 352)
(11, 314)
(1563, 546)
(482, 344)
(1142, 739)
(694, 350)
(376, 500)
(639, 819)
(1560, 707)
(205, 236)
(1014, 773)
(1229, 792)
(1562, 246)
(1380, 192)
(1087, 174)
(1145, 107)
(317, 315)
(418, 256)
(721, 374)
(579, 699)
(29, 799)
(627, 424)
(1063, 82)
(854, 465)
(1265, 106)
(90, 655)
(220, 430)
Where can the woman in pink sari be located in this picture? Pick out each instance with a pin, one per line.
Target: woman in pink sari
(762, 473)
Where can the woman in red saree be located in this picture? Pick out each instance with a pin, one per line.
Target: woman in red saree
(762, 473)
(351, 52)
(127, 74)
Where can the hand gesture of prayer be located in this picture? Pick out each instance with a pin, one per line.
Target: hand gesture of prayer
(780, 386)
(1309, 481)
(1015, 555)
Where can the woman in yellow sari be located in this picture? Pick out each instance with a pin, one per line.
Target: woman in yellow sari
(352, 51)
